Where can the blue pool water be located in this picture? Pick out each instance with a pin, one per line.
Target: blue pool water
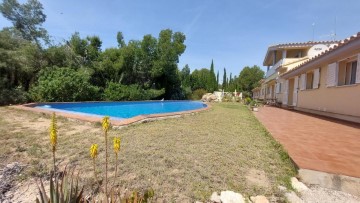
(122, 110)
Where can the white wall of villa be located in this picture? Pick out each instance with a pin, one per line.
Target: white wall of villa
(316, 77)
(327, 85)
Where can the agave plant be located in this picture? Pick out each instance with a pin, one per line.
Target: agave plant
(64, 189)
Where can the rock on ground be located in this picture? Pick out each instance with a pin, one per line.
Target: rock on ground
(231, 197)
(209, 97)
(259, 199)
(215, 198)
(298, 186)
(293, 198)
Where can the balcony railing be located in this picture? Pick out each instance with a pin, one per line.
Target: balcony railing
(285, 61)
(272, 70)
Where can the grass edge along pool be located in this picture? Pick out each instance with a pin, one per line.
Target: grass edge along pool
(124, 110)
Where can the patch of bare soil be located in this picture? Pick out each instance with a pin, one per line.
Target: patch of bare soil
(8, 176)
(26, 191)
(257, 178)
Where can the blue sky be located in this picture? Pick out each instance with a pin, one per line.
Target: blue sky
(232, 32)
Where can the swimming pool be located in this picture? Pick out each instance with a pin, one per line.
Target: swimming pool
(123, 110)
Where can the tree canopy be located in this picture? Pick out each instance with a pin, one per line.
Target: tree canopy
(147, 66)
(249, 77)
(27, 18)
(79, 69)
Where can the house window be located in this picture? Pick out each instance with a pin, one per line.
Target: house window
(347, 73)
(279, 87)
(298, 55)
(268, 90)
(309, 80)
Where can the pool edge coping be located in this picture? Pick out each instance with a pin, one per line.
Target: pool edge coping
(95, 119)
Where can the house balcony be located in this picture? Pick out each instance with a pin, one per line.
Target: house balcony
(287, 63)
(274, 68)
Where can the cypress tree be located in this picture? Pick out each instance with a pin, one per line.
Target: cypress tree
(217, 80)
(224, 80)
(230, 80)
(212, 82)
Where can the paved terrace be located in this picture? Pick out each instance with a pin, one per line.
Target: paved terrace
(315, 142)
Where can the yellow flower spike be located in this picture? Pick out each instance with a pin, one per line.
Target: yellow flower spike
(117, 142)
(94, 151)
(53, 132)
(106, 123)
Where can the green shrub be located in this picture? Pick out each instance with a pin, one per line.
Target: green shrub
(118, 92)
(63, 85)
(247, 100)
(253, 103)
(246, 94)
(227, 98)
(197, 94)
(187, 92)
(175, 93)
(13, 96)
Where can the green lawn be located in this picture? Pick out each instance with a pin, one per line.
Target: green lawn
(182, 159)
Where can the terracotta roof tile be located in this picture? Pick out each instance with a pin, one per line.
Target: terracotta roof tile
(296, 45)
(303, 43)
(337, 46)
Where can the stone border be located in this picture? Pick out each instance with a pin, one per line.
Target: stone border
(332, 181)
(116, 123)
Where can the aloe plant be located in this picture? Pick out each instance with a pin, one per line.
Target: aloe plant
(64, 189)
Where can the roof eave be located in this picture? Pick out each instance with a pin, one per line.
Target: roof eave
(328, 57)
(267, 56)
(295, 45)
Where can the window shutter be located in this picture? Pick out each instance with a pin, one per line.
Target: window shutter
(331, 75)
(303, 81)
(286, 89)
(295, 93)
(358, 69)
(296, 83)
(316, 78)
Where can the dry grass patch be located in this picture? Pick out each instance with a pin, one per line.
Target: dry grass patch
(182, 159)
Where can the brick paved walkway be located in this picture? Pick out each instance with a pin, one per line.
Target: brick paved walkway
(315, 142)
